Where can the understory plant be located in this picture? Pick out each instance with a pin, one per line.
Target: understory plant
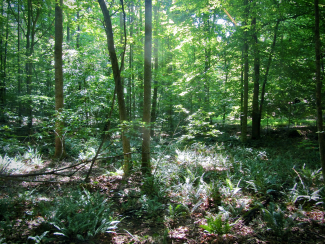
(178, 211)
(304, 192)
(9, 165)
(152, 207)
(216, 225)
(82, 216)
(277, 221)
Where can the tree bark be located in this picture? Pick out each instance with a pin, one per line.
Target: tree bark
(118, 84)
(59, 123)
(146, 167)
(321, 139)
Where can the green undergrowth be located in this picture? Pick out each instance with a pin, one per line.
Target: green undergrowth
(221, 186)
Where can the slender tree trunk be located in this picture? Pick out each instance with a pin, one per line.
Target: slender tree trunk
(140, 73)
(59, 123)
(78, 34)
(245, 98)
(19, 78)
(207, 52)
(68, 29)
(206, 77)
(3, 66)
(122, 32)
(135, 27)
(321, 139)
(267, 71)
(290, 114)
(2, 72)
(242, 91)
(255, 112)
(121, 29)
(118, 84)
(146, 167)
(131, 77)
(155, 88)
(30, 42)
(169, 91)
(224, 96)
(28, 66)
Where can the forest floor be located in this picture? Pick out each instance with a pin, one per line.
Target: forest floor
(266, 191)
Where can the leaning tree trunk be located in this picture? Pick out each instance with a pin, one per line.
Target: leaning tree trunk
(59, 124)
(321, 139)
(118, 83)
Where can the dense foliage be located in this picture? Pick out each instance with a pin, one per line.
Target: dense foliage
(223, 109)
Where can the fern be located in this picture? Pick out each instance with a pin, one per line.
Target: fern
(276, 220)
(216, 225)
(83, 216)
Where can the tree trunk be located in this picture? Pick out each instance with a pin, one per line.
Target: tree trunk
(131, 77)
(118, 84)
(28, 66)
(3, 66)
(30, 42)
(140, 73)
(242, 90)
(224, 95)
(255, 112)
(59, 123)
(19, 68)
(28, 70)
(321, 139)
(78, 35)
(267, 71)
(146, 167)
(245, 98)
(68, 27)
(155, 88)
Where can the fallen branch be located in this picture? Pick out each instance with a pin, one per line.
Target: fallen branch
(53, 172)
(56, 172)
